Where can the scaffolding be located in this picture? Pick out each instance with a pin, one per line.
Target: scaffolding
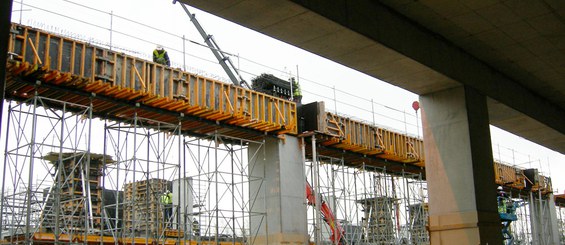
(46, 166)
(560, 204)
(221, 177)
(56, 190)
(372, 205)
(147, 154)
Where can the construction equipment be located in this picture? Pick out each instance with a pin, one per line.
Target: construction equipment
(224, 60)
(507, 212)
(272, 85)
(338, 233)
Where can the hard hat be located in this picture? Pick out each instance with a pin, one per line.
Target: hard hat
(499, 188)
(159, 47)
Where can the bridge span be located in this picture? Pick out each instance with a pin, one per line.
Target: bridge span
(51, 71)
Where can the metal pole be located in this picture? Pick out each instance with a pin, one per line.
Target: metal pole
(134, 184)
(181, 216)
(216, 172)
(31, 165)
(104, 214)
(334, 201)
(373, 111)
(335, 101)
(10, 111)
(162, 206)
(111, 27)
(233, 194)
(59, 177)
(317, 222)
(183, 53)
(417, 125)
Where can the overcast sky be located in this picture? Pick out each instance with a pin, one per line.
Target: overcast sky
(111, 22)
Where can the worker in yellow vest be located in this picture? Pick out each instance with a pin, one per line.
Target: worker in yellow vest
(167, 202)
(196, 227)
(160, 56)
(296, 93)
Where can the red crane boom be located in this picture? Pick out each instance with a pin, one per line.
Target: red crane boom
(337, 231)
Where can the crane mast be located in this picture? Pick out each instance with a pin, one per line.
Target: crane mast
(224, 60)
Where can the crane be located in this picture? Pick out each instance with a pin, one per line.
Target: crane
(224, 60)
(338, 233)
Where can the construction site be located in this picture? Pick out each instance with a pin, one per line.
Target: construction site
(96, 139)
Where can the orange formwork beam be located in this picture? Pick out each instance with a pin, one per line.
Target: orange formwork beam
(103, 72)
(346, 134)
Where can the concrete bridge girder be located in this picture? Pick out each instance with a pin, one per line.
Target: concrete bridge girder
(373, 38)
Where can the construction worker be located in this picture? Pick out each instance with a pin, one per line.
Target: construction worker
(167, 202)
(195, 227)
(160, 56)
(501, 200)
(296, 93)
(506, 209)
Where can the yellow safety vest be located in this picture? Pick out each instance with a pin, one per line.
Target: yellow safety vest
(167, 198)
(160, 56)
(296, 88)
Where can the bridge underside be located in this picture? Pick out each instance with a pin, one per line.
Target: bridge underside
(378, 39)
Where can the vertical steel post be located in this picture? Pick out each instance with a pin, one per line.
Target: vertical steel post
(2, 198)
(315, 169)
(31, 165)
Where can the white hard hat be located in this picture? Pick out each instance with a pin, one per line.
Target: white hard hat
(159, 47)
(499, 188)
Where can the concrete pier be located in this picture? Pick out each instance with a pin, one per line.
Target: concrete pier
(462, 193)
(280, 193)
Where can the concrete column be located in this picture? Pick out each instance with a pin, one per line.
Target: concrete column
(280, 194)
(183, 203)
(459, 168)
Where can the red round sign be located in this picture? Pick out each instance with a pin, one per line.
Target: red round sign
(416, 105)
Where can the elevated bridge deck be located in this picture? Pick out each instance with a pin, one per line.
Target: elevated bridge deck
(118, 86)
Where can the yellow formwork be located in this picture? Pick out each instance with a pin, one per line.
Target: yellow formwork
(374, 141)
(371, 140)
(70, 63)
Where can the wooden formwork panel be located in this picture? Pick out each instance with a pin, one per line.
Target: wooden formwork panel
(70, 63)
(509, 176)
(372, 140)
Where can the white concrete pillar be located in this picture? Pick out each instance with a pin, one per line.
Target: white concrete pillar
(459, 168)
(182, 203)
(280, 193)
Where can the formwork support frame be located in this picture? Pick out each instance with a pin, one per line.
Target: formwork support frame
(39, 139)
(354, 192)
(543, 219)
(221, 175)
(148, 158)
